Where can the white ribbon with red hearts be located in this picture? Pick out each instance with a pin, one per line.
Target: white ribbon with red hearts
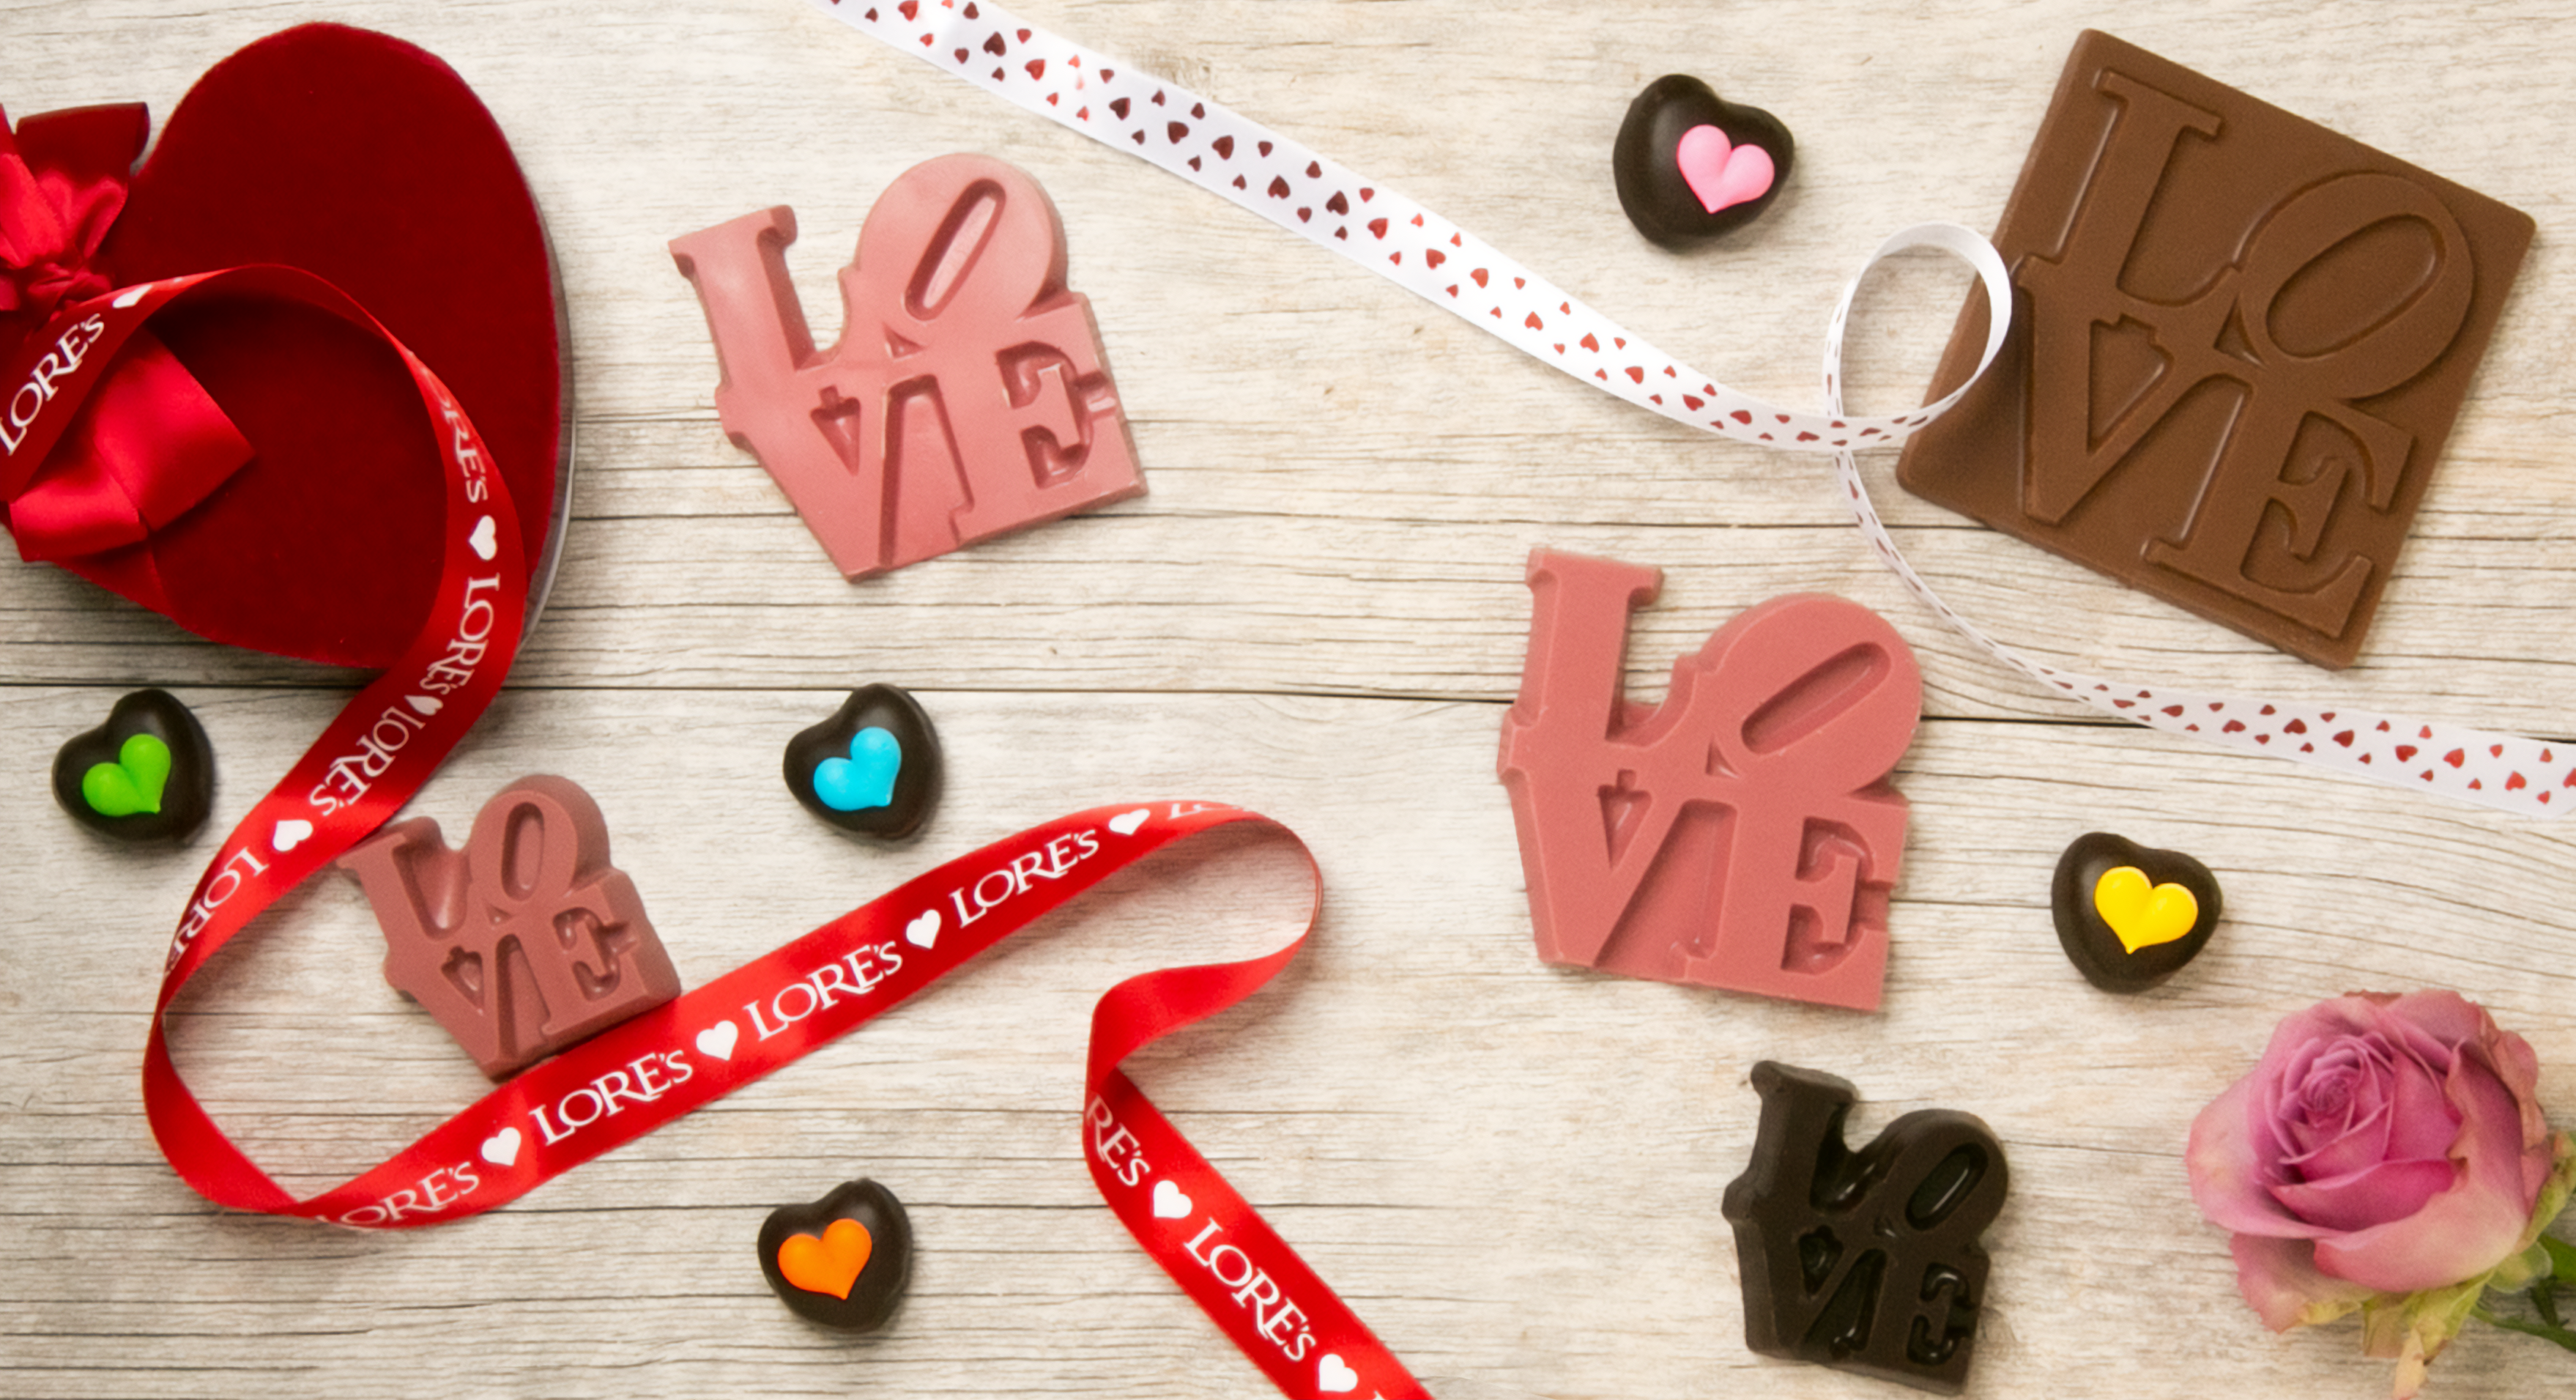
(1334, 207)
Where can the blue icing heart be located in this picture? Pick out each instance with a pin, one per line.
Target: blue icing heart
(866, 778)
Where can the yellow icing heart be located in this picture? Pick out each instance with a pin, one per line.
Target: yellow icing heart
(2142, 916)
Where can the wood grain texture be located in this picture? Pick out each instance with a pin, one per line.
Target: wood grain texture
(1510, 1170)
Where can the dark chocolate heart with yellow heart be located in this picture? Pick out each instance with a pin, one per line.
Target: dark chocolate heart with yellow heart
(2128, 916)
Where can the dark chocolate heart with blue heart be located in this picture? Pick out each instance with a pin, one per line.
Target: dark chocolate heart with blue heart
(1690, 166)
(147, 774)
(873, 768)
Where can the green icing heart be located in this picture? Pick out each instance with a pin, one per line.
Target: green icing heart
(133, 782)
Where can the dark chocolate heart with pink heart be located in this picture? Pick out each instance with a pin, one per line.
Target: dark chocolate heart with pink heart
(371, 164)
(1691, 166)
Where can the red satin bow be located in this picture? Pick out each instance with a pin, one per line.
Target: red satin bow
(149, 444)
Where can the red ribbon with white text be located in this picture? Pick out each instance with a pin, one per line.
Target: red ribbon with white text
(635, 1077)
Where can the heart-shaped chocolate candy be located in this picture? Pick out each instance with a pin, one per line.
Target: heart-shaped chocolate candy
(147, 774)
(2130, 917)
(873, 768)
(842, 1261)
(1691, 166)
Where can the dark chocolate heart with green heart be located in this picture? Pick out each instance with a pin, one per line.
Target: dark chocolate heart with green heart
(2128, 916)
(147, 774)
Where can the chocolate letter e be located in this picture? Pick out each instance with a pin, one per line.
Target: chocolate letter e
(1741, 835)
(524, 942)
(966, 396)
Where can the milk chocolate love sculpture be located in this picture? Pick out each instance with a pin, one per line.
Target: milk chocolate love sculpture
(524, 942)
(250, 452)
(2238, 345)
(1742, 834)
(966, 396)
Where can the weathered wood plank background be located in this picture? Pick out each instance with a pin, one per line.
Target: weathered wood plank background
(1512, 1171)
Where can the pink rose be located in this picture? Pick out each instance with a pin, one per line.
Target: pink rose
(2386, 1145)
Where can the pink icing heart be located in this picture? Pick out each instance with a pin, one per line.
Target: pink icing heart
(1718, 172)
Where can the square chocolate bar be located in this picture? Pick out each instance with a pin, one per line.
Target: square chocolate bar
(2238, 342)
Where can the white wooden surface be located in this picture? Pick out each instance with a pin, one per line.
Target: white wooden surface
(1512, 1171)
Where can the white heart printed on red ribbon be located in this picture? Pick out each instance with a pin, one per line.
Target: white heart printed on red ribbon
(289, 834)
(1333, 1376)
(718, 1040)
(1170, 1202)
(923, 931)
(1721, 174)
(1125, 823)
(502, 1148)
(486, 538)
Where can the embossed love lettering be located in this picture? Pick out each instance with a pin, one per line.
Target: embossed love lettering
(2301, 430)
(1742, 834)
(966, 396)
(1864, 1260)
(525, 941)
(2240, 342)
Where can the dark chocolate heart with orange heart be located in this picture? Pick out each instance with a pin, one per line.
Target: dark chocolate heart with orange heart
(366, 161)
(843, 1261)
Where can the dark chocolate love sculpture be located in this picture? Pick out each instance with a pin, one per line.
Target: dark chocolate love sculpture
(2130, 917)
(872, 768)
(147, 774)
(842, 1261)
(1691, 166)
(1864, 1260)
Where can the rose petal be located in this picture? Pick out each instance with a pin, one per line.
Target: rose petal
(2227, 1182)
(2443, 1017)
(2284, 1288)
(2517, 1068)
(2422, 1122)
(2390, 1191)
(2466, 1230)
(2342, 1121)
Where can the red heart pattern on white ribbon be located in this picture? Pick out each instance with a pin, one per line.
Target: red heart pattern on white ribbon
(1336, 208)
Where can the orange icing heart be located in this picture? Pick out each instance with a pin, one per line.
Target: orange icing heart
(2141, 916)
(830, 1264)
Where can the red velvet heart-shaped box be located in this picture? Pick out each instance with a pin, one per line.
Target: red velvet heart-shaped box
(366, 161)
